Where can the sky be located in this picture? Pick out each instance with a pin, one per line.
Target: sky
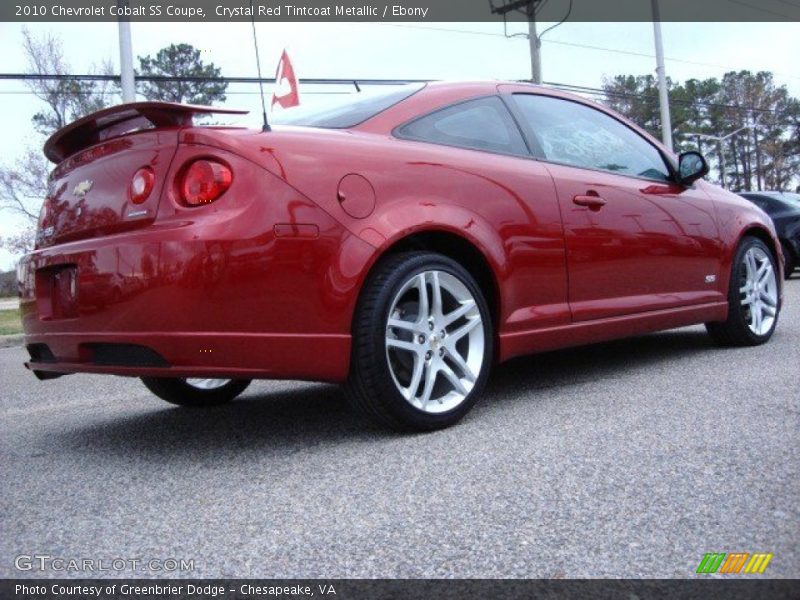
(573, 53)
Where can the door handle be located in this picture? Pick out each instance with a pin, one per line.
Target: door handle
(593, 202)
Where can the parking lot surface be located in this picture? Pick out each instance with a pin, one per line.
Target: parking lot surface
(627, 459)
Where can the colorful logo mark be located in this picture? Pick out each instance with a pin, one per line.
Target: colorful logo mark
(732, 563)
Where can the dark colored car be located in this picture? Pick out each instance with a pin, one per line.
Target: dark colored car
(401, 244)
(784, 209)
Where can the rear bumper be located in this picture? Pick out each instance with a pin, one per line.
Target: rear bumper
(244, 292)
(233, 355)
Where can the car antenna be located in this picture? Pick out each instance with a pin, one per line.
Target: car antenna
(266, 126)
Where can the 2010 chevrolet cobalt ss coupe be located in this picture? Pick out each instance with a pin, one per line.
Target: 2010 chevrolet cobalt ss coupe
(400, 244)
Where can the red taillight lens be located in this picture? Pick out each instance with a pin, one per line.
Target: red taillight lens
(205, 181)
(141, 185)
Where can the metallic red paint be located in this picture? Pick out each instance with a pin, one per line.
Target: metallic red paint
(264, 281)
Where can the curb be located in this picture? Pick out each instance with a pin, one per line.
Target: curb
(11, 341)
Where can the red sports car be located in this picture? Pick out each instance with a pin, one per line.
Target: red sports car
(400, 244)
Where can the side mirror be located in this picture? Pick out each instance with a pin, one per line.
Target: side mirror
(691, 167)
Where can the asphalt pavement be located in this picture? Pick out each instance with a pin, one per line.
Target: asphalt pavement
(627, 459)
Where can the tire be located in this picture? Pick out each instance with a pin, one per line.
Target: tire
(441, 377)
(744, 326)
(789, 261)
(185, 393)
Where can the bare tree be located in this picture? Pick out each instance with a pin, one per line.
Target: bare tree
(65, 99)
(20, 241)
(23, 185)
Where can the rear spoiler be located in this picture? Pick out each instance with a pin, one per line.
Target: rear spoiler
(121, 119)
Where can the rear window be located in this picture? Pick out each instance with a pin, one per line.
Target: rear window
(355, 109)
(481, 124)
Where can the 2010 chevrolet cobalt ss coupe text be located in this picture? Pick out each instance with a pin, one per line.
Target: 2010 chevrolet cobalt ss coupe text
(400, 244)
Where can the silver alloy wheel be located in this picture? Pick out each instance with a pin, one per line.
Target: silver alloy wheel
(759, 291)
(434, 341)
(206, 384)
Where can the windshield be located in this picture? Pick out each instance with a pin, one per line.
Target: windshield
(782, 200)
(343, 113)
(792, 199)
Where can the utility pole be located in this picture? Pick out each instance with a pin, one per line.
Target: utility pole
(757, 148)
(536, 45)
(528, 8)
(663, 95)
(126, 57)
(721, 150)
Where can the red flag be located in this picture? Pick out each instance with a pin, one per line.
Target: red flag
(285, 93)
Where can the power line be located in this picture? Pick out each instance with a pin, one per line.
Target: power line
(561, 22)
(198, 79)
(115, 93)
(579, 45)
(612, 93)
(580, 89)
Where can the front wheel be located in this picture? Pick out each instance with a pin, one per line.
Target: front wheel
(422, 343)
(753, 297)
(195, 392)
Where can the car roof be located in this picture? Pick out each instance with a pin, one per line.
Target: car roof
(438, 94)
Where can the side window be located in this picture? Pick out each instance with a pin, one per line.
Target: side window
(482, 124)
(573, 134)
(770, 205)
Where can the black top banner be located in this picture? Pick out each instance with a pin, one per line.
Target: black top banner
(204, 11)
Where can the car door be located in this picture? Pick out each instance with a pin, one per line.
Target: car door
(474, 155)
(636, 240)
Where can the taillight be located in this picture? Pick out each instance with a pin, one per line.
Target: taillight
(204, 181)
(141, 185)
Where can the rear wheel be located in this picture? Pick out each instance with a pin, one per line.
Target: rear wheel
(422, 343)
(753, 297)
(195, 391)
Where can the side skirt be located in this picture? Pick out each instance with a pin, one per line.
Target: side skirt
(602, 330)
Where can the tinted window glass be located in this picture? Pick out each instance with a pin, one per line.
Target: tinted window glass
(574, 134)
(482, 124)
(759, 202)
(770, 205)
(356, 109)
(783, 200)
(793, 198)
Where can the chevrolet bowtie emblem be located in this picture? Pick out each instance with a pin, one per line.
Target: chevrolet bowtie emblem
(82, 188)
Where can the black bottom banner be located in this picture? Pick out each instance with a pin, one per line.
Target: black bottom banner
(400, 589)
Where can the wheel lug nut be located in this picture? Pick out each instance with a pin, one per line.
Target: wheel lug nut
(441, 333)
(430, 325)
(441, 351)
(428, 355)
(421, 339)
